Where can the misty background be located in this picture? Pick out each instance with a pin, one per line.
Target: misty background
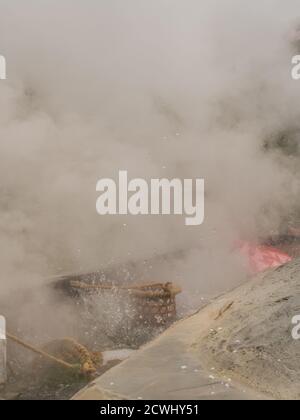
(167, 88)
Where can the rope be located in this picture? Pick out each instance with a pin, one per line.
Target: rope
(137, 290)
(88, 359)
(86, 366)
(41, 352)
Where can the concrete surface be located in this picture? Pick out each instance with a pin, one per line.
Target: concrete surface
(240, 346)
(169, 368)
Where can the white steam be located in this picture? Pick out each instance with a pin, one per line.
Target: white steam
(163, 88)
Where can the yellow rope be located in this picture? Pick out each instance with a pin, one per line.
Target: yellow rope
(87, 365)
(137, 290)
(40, 352)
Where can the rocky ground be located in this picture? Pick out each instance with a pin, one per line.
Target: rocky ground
(253, 340)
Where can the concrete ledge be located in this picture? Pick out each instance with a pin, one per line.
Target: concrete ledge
(169, 368)
(239, 347)
(96, 394)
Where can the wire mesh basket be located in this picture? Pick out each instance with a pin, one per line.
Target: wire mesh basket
(150, 304)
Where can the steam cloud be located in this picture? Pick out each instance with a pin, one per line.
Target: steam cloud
(163, 88)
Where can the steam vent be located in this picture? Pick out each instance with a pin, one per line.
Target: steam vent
(239, 347)
(149, 202)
